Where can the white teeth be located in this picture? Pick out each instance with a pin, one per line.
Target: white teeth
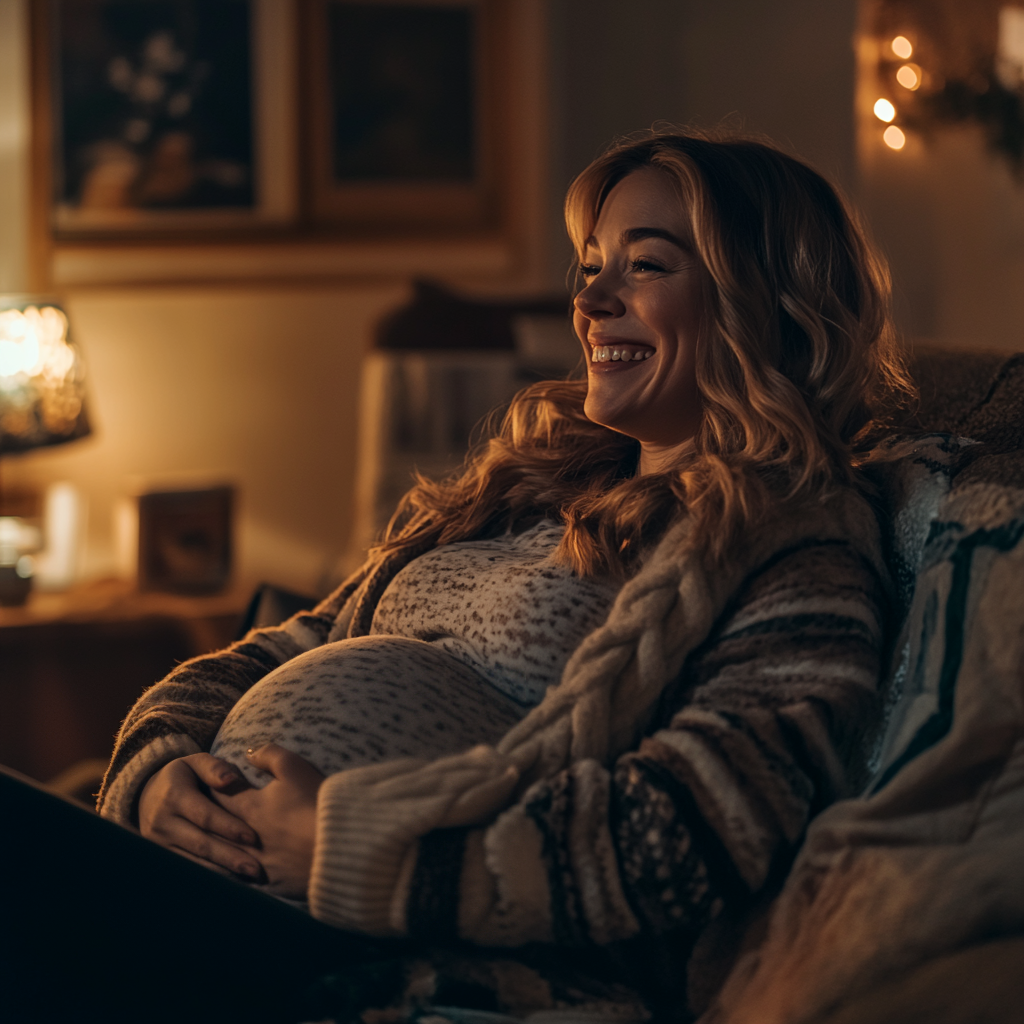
(606, 353)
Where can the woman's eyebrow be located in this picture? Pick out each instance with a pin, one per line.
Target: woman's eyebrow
(639, 234)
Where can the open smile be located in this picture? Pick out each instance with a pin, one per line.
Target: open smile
(620, 352)
(617, 356)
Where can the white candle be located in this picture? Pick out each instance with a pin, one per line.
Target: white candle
(63, 522)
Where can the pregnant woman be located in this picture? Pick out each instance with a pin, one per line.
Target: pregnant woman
(592, 688)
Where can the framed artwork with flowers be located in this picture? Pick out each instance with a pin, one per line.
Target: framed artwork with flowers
(155, 111)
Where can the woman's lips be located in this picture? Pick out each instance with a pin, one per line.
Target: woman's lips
(615, 354)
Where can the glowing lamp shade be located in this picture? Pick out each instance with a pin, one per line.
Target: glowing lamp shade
(894, 138)
(42, 393)
(902, 48)
(884, 110)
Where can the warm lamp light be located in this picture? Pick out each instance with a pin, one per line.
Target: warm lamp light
(884, 110)
(902, 48)
(894, 138)
(909, 76)
(42, 403)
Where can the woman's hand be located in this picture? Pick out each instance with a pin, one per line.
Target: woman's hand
(175, 811)
(283, 815)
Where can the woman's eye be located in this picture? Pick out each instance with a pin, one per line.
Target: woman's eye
(645, 265)
(589, 270)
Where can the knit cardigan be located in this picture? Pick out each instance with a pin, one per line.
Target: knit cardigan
(666, 778)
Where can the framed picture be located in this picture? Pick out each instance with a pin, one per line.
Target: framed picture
(184, 539)
(199, 140)
(167, 115)
(406, 104)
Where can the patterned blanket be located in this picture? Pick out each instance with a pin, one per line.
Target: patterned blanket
(924, 870)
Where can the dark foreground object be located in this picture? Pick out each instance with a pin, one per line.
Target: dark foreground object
(99, 924)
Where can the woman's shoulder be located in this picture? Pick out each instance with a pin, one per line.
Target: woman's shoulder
(844, 516)
(826, 552)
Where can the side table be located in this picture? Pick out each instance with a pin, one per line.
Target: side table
(72, 664)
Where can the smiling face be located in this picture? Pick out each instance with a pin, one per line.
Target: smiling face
(639, 316)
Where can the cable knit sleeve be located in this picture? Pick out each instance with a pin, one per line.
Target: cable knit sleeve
(181, 714)
(769, 724)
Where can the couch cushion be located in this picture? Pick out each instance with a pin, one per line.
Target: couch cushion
(974, 394)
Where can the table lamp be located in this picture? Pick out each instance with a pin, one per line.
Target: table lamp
(42, 403)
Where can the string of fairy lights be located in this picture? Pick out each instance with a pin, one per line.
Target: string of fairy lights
(909, 76)
(959, 83)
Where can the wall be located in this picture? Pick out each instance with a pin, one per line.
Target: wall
(14, 139)
(979, 211)
(784, 68)
(259, 384)
(950, 217)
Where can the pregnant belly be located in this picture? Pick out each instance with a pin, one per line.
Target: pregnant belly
(363, 701)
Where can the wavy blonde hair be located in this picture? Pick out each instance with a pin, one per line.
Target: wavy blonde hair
(797, 366)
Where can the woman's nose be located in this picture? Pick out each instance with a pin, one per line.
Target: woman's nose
(596, 301)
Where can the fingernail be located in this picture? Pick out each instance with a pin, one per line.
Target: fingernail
(246, 839)
(229, 776)
(249, 870)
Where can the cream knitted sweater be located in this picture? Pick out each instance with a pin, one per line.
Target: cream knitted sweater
(671, 772)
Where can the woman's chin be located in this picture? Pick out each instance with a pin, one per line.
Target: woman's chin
(613, 415)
